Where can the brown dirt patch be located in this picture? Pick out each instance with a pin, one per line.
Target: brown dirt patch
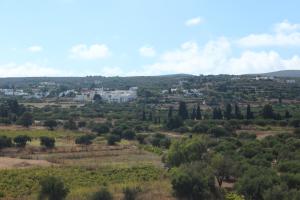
(11, 163)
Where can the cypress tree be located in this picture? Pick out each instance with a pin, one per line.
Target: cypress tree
(228, 112)
(182, 111)
(198, 113)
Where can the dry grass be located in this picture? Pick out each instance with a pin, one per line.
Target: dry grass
(11, 163)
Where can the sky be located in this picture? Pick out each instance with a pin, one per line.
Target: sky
(147, 37)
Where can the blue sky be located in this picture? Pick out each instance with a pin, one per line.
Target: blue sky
(139, 37)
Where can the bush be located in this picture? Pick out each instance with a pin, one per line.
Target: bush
(47, 142)
(84, 139)
(295, 123)
(174, 122)
(102, 194)
(160, 140)
(141, 138)
(70, 124)
(194, 181)
(100, 128)
(81, 124)
(130, 193)
(113, 139)
(200, 128)
(52, 188)
(51, 124)
(128, 134)
(5, 142)
(21, 140)
(26, 119)
(218, 131)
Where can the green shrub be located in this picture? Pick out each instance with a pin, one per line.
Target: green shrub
(21, 140)
(102, 194)
(52, 188)
(47, 142)
(131, 193)
(113, 139)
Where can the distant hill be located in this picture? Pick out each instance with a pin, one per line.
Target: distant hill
(284, 73)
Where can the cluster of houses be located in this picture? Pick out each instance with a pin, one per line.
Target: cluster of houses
(111, 96)
(84, 95)
(184, 92)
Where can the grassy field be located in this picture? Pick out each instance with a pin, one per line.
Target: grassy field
(24, 182)
(36, 133)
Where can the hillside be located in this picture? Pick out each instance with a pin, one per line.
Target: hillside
(284, 73)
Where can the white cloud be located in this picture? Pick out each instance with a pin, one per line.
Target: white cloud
(216, 57)
(28, 70)
(194, 21)
(95, 51)
(35, 49)
(147, 51)
(285, 34)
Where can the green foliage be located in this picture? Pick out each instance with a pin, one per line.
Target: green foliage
(182, 110)
(50, 124)
(218, 131)
(21, 140)
(100, 128)
(47, 142)
(185, 151)
(26, 181)
(130, 193)
(194, 181)
(255, 181)
(52, 188)
(84, 139)
(174, 122)
(160, 140)
(26, 119)
(102, 194)
(5, 142)
(112, 139)
(128, 134)
(233, 196)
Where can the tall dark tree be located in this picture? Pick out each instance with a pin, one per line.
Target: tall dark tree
(249, 113)
(144, 115)
(237, 112)
(217, 113)
(182, 111)
(194, 114)
(26, 119)
(267, 112)
(198, 113)
(170, 112)
(287, 114)
(150, 117)
(228, 112)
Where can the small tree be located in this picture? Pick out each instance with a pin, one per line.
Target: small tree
(113, 139)
(223, 168)
(84, 139)
(182, 110)
(228, 112)
(130, 193)
(198, 113)
(52, 188)
(47, 142)
(267, 112)
(102, 194)
(249, 113)
(128, 134)
(26, 119)
(50, 124)
(21, 140)
(5, 142)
